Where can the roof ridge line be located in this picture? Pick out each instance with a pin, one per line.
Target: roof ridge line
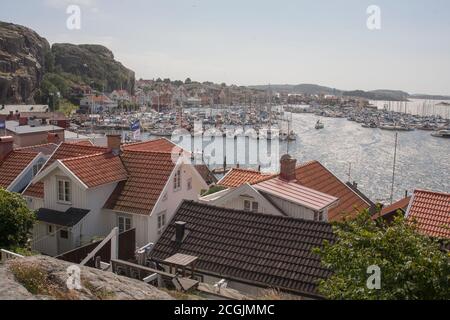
(432, 192)
(85, 156)
(255, 214)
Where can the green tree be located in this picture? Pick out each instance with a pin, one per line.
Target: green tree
(16, 220)
(412, 266)
(188, 81)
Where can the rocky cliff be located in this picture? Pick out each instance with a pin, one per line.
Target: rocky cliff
(94, 65)
(23, 63)
(44, 278)
(32, 70)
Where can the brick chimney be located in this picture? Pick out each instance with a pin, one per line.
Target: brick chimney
(114, 142)
(53, 138)
(288, 164)
(6, 146)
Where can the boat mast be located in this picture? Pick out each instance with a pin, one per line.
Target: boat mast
(393, 170)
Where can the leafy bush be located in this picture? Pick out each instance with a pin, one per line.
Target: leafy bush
(412, 265)
(16, 220)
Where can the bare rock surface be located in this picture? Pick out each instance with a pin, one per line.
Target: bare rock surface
(96, 284)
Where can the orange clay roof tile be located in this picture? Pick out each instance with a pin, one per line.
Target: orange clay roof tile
(96, 170)
(431, 213)
(13, 165)
(237, 177)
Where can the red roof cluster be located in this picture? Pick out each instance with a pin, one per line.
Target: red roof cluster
(430, 211)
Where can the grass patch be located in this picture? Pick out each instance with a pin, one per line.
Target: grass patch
(38, 282)
(98, 292)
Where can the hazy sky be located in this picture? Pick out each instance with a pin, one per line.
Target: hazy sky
(258, 42)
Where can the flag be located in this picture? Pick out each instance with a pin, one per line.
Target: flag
(136, 129)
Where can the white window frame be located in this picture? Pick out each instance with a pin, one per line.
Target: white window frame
(127, 223)
(161, 221)
(177, 181)
(189, 184)
(66, 190)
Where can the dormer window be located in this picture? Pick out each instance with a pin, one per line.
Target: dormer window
(64, 191)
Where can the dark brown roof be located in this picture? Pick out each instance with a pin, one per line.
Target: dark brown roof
(389, 211)
(264, 250)
(315, 176)
(206, 174)
(148, 173)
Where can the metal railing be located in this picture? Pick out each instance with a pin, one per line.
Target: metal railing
(6, 255)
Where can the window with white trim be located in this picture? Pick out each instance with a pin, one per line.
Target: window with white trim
(189, 184)
(161, 221)
(177, 181)
(124, 224)
(64, 191)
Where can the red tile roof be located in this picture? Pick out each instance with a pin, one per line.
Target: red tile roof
(64, 151)
(296, 193)
(159, 145)
(13, 165)
(315, 176)
(148, 173)
(431, 213)
(237, 177)
(96, 170)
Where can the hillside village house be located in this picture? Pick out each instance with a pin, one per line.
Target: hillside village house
(19, 166)
(95, 103)
(83, 192)
(308, 192)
